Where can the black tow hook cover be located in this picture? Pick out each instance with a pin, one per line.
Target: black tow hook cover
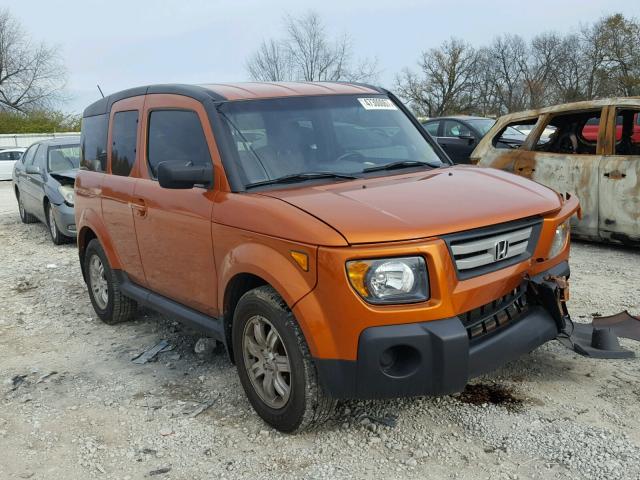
(598, 343)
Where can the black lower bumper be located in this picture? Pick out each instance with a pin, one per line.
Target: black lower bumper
(439, 357)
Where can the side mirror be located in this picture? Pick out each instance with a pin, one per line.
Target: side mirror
(177, 175)
(33, 170)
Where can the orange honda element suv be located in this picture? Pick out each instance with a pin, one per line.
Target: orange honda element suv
(320, 234)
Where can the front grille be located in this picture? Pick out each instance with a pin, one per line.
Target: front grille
(495, 315)
(484, 250)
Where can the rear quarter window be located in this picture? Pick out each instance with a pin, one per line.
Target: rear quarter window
(124, 137)
(93, 143)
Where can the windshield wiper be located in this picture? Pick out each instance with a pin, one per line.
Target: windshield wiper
(401, 164)
(300, 177)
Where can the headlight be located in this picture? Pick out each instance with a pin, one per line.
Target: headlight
(390, 280)
(67, 193)
(559, 239)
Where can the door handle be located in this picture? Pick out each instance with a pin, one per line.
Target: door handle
(138, 206)
(615, 175)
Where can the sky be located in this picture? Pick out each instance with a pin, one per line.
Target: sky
(126, 43)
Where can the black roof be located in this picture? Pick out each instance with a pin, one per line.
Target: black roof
(197, 92)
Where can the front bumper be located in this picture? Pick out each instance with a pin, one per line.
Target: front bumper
(439, 357)
(65, 219)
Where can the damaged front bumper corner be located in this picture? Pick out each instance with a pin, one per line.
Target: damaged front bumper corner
(439, 357)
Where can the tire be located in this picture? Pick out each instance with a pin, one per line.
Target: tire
(104, 289)
(24, 216)
(57, 237)
(305, 406)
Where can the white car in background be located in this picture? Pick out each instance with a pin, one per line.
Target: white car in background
(8, 158)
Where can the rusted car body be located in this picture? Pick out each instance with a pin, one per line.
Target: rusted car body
(588, 149)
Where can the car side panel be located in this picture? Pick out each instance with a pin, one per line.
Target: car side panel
(88, 211)
(619, 193)
(619, 187)
(244, 252)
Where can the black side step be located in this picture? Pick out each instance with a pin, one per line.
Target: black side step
(199, 321)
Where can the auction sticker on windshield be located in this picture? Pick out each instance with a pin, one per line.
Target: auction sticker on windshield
(377, 104)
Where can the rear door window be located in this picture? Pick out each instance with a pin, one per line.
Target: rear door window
(572, 133)
(627, 131)
(176, 136)
(124, 137)
(5, 156)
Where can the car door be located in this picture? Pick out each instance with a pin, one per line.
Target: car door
(555, 162)
(19, 168)
(619, 174)
(119, 182)
(174, 226)
(457, 140)
(32, 184)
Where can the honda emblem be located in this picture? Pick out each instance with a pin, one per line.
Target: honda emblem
(501, 249)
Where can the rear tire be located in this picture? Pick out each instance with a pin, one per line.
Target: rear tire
(24, 216)
(104, 289)
(274, 364)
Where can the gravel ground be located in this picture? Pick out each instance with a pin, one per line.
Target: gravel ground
(74, 406)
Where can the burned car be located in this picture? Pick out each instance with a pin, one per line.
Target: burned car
(589, 149)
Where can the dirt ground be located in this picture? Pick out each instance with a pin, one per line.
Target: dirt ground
(74, 406)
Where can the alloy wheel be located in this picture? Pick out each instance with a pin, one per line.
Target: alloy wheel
(99, 285)
(266, 362)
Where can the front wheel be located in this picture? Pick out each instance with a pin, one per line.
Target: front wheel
(57, 237)
(274, 363)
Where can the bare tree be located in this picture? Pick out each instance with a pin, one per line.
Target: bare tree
(448, 76)
(270, 63)
(31, 76)
(511, 74)
(540, 66)
(621, 37)
(307, 53)
(506, 53)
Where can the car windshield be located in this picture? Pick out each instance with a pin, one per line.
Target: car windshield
(328, 137)
(63, 158)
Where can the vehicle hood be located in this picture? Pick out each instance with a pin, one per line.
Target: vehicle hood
(419, 205)
(66, 177)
